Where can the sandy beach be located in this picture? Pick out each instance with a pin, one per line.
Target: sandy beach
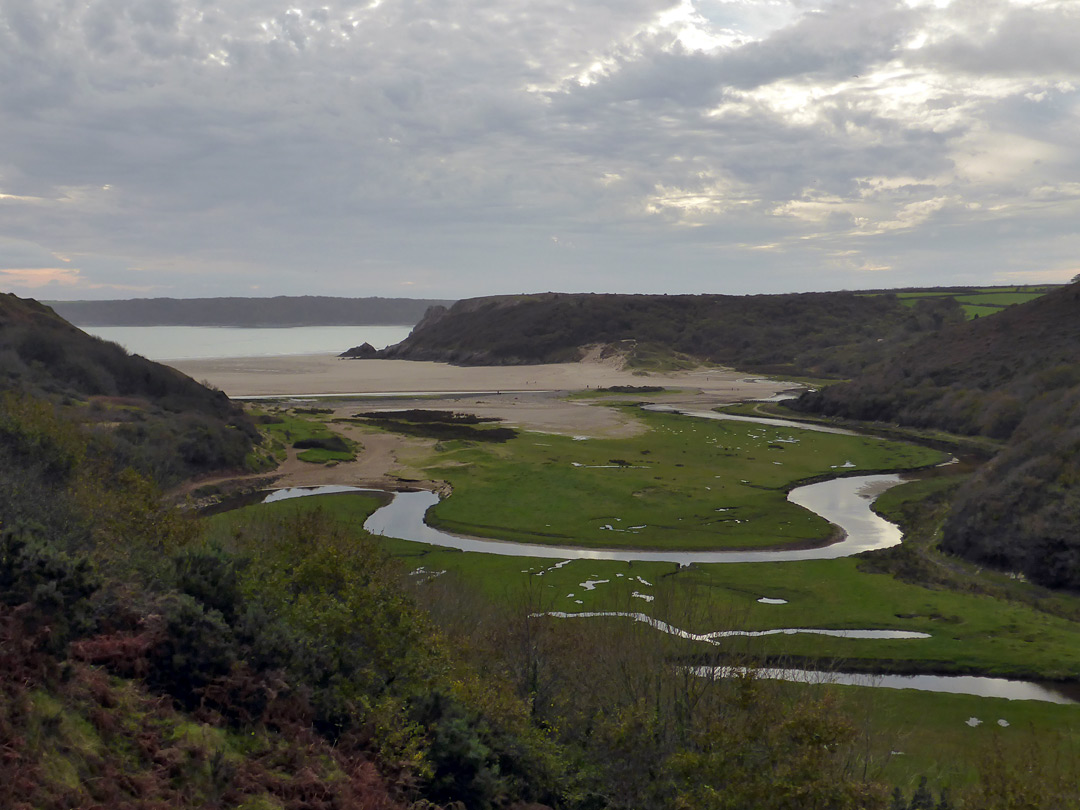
(315, 375)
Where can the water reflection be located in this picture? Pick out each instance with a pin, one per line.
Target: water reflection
(711, 637)
(841, 501)
(954, 684)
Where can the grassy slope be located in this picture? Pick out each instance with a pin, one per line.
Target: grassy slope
(162, 422)
(1013, 376)
(762, 331)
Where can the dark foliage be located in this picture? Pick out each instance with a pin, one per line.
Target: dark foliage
(633, 389)
(1015, 377)
(422, 416)
(158, 420)
(827, 332)
(447, 431)
(335, 444)
(442, 425)
(53, 588)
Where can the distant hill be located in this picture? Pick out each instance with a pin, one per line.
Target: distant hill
(153, 418)
(1013, 376)
(824, 332)
(306, 310)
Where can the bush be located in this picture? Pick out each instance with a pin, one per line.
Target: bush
(56, 586)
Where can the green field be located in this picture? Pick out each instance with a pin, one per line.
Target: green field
(686, 483)
(979, 301)
(529, 488)
(969, 633)
(999, 299)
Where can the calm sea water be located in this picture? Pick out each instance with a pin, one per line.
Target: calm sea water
(199, 342)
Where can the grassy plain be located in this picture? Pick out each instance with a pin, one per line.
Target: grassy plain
(969, 633)
(950, 738)
(684, 469)
(684, 484)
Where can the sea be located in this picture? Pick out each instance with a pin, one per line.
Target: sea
(208, 342)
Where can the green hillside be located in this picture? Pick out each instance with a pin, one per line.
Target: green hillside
(1015, 377)
(827, 333)
(154, 418)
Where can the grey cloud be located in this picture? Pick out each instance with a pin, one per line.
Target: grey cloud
(839, 41)
(998, 39)
(450, 141)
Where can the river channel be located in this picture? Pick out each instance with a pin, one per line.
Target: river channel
(843, 501)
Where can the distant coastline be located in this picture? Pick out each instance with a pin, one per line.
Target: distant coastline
(279, 311)
(165, 343)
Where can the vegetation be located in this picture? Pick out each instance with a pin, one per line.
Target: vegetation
(969, 632)
(1012, 377)
(442, 425)
(154, 418)
(278, 657)
(306, 430)
(977, 302)
(686, 483)
(827, 333)
(298, 669)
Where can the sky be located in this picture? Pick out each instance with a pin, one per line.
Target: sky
(455, 148)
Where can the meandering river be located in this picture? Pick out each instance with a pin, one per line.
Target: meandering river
(844, 502)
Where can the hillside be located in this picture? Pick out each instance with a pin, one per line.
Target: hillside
(281, 660)
(155, 419)
(822, 332)
(306, 310)
(1014, 376)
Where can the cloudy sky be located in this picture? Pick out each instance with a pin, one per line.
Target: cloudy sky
(451, 148)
